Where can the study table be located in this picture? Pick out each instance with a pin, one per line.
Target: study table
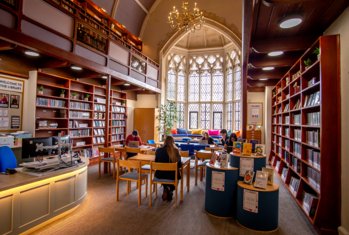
(185, 165)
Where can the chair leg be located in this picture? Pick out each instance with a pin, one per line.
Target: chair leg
(128, 187)
(146, 187)
(139, 192)
(117, 190)
(99, 169)
(150, 196)
(201, 173)
(114, 169)
(196, 171)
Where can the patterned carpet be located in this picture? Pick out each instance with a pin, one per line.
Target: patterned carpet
(101, 214)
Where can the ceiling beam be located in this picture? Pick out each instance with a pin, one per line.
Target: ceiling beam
(265, 61)
(117, 83)
(295, 43)
(5, 46)
(53, 63)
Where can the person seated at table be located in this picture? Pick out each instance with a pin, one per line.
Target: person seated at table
(232, 138)
(133, 137)
(224, 139)
(168, 153)
(206, 138)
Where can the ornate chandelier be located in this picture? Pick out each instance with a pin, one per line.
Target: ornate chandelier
(187, 20)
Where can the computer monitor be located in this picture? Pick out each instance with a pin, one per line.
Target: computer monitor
(31, 147)
(64, 140)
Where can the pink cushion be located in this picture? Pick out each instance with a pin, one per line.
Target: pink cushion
(213, 132)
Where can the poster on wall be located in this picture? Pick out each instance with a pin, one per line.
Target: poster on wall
(255, 114)
(11, 89)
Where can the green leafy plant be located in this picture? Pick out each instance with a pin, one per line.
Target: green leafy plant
(167, 117)
(316, 51)
(307, 62)
(74, 94)
(62, 92)
(87, 96)
(41, 88)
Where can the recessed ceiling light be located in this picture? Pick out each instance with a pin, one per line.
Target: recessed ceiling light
(104, 76)
(275, 53)
(268, 68)
(126, 84)
(77, 68)
(32, 53)
(290, 22)
(263, 79)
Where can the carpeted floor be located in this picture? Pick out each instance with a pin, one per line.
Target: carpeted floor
(101, 214)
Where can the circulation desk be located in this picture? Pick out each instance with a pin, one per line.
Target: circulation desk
(220, 195)
(26, 201)
(255, 161)
(265, 215)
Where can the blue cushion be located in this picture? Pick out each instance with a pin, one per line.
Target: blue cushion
(182, 131)
(151, 141)
(7, 159)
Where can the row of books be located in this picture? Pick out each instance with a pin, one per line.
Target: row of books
(297, 119)
(313, 158)
(296, 164)
(118, 109)
(297, 150)
(76, 124)
(117, 130)
(80, 105)
(284, 174)
(118, 123)
(50, 102)
(287, 156)
(99, 107)
(312, 99)
(296, 75)
(296, 88)
(297, 105)
(287, 145)
(98, 140)
(287, 119)
(313, 118)
(80, 133)
(313, 138)
(297, 134)
(78, 114)
(87, 152)
(117, 116)
(98, 123)
(312, 81)
(118, 137)
(99, 115)
(286, 108)
(314, 177)
(287, 132)
(100, 100)
(98, 131)
(115, 102)
(309, 203)
(294, 185)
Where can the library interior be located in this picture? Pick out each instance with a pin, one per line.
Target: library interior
(174, 117)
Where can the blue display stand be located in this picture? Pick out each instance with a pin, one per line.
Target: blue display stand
(221, 203)
(267, 216)
(259, 162)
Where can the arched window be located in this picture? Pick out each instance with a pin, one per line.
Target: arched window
(206, 88)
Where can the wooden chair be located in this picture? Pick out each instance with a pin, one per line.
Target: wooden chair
(107, 155)
(131, 150)
(133, 174)
(154, 166)
(184, 153)
(201, 158)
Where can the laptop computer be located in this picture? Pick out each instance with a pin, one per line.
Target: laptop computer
(133, 144)
(203, 142)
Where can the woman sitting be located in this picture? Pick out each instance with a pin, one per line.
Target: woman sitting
(232, 138)
(206, 138)
(168, 153)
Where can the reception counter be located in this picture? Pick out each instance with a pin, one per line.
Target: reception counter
(27, 201)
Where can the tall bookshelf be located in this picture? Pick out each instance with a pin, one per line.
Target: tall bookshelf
(305, 149)
(69, 107)
(117, 117)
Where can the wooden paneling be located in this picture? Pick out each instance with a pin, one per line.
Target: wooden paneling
(145, 122)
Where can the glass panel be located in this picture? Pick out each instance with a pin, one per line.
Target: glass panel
(193, 87)
(217, 120)
(205, 87)
(229, 87)
(217, 86)
(229, 116)
(181, 86)
(237, 112)
(180, 115)
(171, 85)
(205, 116)
(193, 120)
(237, 85)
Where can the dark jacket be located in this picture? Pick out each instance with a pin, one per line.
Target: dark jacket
(209, 140)
(162, 156)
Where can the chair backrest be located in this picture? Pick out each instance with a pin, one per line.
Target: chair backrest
(7, 159)
(164, 166)
(106, 151)
(132, 150)
(184, 153)
(129, 164)
(204, 155)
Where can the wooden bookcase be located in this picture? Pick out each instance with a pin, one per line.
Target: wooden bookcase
(305, 149)
(80, 111)
(117, 117)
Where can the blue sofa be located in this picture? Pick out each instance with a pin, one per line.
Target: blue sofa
(191, 147)
(181, 133)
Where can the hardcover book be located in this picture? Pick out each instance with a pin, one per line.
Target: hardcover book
(270, 172)
(247, 149)
(261, 180)
(260, 149)
(237, 146)
(248, 177)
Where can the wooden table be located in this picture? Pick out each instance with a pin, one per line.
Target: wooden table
(185, 165)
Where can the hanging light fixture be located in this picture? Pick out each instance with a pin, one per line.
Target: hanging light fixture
(186, 19)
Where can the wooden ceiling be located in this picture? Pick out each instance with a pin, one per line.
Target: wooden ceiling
(262, 35)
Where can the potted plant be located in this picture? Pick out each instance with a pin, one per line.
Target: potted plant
(74, 95)
(167, 117)
(41, 90)
(307, 63)
(316, 52)
(62, 93)
(87, 96)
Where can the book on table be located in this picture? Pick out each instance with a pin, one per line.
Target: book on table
(247, 149)
(261, 180)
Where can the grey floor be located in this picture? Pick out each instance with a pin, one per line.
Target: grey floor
(101, 214)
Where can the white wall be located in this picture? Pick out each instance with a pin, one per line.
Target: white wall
(341, 26)
(258, 97)
(267, 118)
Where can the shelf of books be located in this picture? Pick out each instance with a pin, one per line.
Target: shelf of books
(117, 112)
(77, 109)
(305, 149)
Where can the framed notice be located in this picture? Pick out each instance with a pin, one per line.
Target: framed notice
(11, 94)
(250, 201)
(218, 179)
(254, 113)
